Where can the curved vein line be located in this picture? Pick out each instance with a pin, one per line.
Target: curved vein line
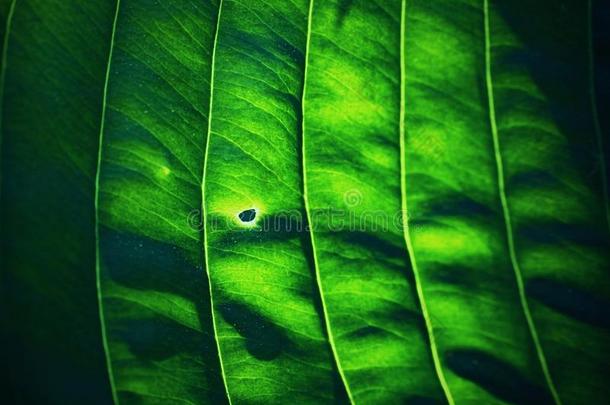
(506, 212)
(598, 130)
(7, 30)
(203, 208)
(97, 210)
(405, 217)
(331, 339)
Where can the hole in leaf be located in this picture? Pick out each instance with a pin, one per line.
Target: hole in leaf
(247, 215)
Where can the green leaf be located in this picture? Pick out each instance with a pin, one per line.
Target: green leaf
(352, 120)
(556, 186)
(457, 229)
(340, 201)
(496, 208)
(266, 302)
(52, 73)
(6, 17)
(154, 294)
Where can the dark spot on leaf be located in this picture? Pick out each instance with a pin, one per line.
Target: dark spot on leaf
(533, 179)
(457, 204)
(343, 9)
(247, 215)
(495, 376)
(366, 332)
(391, 318)
(264, 339)
(144, 264)
(570, 301)
(381, 247)
(128, 397)
(556, 232)
(418, 400)
(550, 61)
(265, 50)
(158, 339)
(456, 275)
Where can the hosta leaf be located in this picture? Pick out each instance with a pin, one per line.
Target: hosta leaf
(53, 81)
(156, 308)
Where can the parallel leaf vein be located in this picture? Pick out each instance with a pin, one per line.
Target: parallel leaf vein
(405, 217)
(3, 61)
(203, 205)
(506, 211)
(97, 209)
(598, 131)
(308, 213)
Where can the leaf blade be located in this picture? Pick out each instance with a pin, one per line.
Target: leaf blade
(47, 199)
(153, 286)
(556, 195)
(98, 281)
(203, 204)
(272, 339)
(455, 210)
(307, 209)
(352, 137)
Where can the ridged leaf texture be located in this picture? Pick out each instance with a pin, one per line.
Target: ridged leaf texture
(304, 201)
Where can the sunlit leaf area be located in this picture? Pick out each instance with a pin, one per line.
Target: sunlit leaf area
(305, 202)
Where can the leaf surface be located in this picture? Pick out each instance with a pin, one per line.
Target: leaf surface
(352, 119)
(52, 88)
(457, 225)
(334, 201)
(6, 17)
(551, 148)
(154, 292)
(267, 308)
